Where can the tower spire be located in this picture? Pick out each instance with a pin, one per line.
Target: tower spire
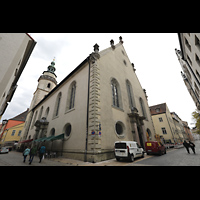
(51, 68)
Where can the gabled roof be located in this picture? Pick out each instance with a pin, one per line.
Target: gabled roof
(20, 117)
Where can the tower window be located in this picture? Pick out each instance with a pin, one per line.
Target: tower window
(49, 85)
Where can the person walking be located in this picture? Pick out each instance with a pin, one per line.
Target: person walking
(25, 153)
(192, 145)
(33, 151)
(41, 152)
(186, 145)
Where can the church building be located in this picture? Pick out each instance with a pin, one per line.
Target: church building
(101, 101)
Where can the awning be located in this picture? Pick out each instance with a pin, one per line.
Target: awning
(26, 141)
(57, 137)
(40, 139)
(50, 138)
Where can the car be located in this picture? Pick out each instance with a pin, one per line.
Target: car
(155, 147)
(4, 150)
(128, 149)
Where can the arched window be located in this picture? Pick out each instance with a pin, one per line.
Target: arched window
(52, 132)
(46, 113)
(71, 96)
(57, 105)
(34, 119)
(49, 85)
(130, 94)
(116, 94)
(40, 114)
(143, 108)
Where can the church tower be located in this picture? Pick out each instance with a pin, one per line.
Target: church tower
(46, 82)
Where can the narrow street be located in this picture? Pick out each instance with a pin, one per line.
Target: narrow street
(174, 157)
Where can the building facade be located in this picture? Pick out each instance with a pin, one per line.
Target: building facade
(15, 50)
(163, 123)
(187, 131)
(101, 101)
(12, 135)
(11, 129)
(179, 127)
(189, 58)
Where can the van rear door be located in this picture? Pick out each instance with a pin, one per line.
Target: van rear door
(120, 149)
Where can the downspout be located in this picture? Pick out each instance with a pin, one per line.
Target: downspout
(87, 115)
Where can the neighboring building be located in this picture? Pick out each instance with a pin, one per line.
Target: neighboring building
(163, 123)
(11, 136)
(179, 131)
(187, 131)
(101, 101)
(6, 133)
(15, 50)
(189, 58)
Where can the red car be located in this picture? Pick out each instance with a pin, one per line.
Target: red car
(154, 147)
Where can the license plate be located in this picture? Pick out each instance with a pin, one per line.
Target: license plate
(148, 150)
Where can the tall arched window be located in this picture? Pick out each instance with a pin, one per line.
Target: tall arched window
(116, 94)
(143, 108)
(57, 105)
(130, 94)
(34, 119)
(46, 113)
(71, 96)
(40, 114)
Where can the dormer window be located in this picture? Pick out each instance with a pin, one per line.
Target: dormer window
(157, 110)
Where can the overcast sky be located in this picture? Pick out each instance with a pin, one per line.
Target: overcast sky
(153, 55)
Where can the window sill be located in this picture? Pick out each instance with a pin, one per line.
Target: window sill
(69, 110)
(117, 108)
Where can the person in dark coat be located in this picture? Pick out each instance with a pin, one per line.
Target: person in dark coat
(192, 145)
(186, 145)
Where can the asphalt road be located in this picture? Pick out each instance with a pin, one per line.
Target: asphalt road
(174, 157)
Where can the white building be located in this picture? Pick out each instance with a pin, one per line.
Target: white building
(15, 50)
(101, 101)
(189, 58)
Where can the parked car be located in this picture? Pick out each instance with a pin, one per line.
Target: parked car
(128, 149)
(4, 150)
(154, 147)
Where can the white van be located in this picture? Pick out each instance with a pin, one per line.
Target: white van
(128, 149)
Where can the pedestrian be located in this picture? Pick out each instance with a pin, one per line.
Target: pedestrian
(33, 151)
(192, 145)
(186, 145)
(25, 153)
(41, 152)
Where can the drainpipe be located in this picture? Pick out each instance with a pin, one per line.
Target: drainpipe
(87, 115)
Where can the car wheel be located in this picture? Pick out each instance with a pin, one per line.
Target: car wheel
(160, 153)
(117, 158)
(142, 155)
(165, 151)
(131, 157)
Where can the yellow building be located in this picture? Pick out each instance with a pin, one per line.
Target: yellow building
(12, 135)
(163, 123)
